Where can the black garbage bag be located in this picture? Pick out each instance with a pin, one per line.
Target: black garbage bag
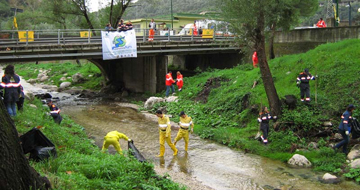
(37, 144)
(355, 129)
(135, 152)
(41, 153)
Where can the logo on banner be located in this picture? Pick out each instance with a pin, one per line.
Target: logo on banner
(119, 41)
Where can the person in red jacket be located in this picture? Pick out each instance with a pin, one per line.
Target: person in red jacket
(321, 23)
(255, 59)
(179, 80)
(169, 83)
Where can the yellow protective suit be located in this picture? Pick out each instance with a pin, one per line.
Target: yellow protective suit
(165, 135)
(185, 124)
(112, 138)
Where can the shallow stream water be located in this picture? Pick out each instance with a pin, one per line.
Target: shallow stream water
(215, 166)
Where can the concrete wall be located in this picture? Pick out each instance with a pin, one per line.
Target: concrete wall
(302, 40)
(143, 74)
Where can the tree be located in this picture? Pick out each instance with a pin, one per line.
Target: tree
(15, 171)
(119, 6)
(253, 19)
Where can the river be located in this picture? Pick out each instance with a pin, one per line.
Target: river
(206, 165)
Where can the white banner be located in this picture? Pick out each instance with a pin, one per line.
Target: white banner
(117, 45)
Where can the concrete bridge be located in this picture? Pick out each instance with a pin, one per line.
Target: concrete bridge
(146, 73)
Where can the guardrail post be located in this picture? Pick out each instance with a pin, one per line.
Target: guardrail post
(192, 35)
(89, 36)
(214, 37)
(58, 36)
(27, 37)
(144, 35)
(169, 34)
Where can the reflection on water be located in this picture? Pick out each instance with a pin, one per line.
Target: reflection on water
(214, 165)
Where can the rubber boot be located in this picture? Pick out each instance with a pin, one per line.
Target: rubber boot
(162, 151)
(174, 149)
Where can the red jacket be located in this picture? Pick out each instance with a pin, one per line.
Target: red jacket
(255, 59)
(179, 79)
(169, 80)
(321, 24)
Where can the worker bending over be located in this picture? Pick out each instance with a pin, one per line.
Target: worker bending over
(112, 138)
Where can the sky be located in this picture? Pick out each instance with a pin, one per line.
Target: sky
(98, 4)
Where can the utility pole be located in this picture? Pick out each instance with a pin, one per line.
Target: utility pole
(172, 17)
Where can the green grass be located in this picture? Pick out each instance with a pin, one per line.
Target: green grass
(90, 72)
(80, 164)
(223, 119)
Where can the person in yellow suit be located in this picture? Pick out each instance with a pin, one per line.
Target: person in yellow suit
(112, 138)
(186, 125)
(164, 133)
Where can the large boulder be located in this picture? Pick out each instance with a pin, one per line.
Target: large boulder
(328, 178)
(299, 160)
(76, 78)
(355, 163)
(171, 99)
(354, 152)
(149, 104)
(65, 85)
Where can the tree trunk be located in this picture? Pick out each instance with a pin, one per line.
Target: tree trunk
(89, 23)
(15, 171)
(266, 76)
(111, 12)
(271, 42)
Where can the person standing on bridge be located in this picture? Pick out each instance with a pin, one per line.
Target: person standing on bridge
(152, 27)
(112, 138)
(164, 133)
(179, 80)
(321, 23)
(303, 82)
(186, 125)
(11, 85)
(169, 83)
(54, 111)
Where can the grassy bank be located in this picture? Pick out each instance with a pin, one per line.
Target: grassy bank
(80, 164)
(57, 70)
(232, 106)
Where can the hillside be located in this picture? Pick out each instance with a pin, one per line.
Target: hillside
(227, 105)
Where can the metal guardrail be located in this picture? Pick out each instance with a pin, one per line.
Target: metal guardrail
(68, 36)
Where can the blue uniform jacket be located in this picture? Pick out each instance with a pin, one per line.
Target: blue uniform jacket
(345, 121)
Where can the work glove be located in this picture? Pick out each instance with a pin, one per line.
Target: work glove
(129, 140)
(347, 133)
(192, 130)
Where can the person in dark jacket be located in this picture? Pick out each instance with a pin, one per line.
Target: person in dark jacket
(11, 85)
(303, 82)
(264, 118)
(345, 128)
(54, 111)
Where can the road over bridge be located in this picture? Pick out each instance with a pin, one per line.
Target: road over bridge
(144, 73)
